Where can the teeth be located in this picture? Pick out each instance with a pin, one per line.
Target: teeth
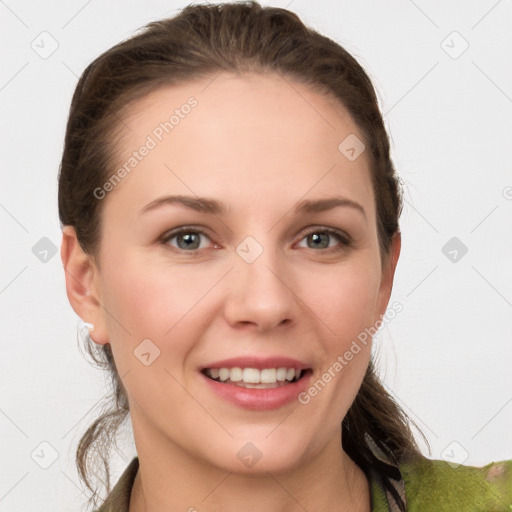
(281, 374)
(224, 374)
(268, 376)
(253, 375)
(236, 374)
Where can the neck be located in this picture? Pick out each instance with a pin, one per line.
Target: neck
(174, 480)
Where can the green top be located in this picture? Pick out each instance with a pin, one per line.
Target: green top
(428, 486)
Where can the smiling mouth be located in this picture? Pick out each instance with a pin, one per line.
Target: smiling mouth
(254, 378)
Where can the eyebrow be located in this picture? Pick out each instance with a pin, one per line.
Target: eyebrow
(208, 205)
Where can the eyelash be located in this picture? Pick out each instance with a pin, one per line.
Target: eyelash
(345, 240)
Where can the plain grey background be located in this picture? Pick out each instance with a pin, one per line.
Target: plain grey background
(442, 72)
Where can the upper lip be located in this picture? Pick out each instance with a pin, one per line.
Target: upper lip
(259, 363)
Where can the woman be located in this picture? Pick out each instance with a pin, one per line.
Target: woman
(230, 235)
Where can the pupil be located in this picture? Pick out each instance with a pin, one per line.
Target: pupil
(188, 238)
(318, 238)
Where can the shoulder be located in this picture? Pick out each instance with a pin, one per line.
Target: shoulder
(119, 498)
(436, 485)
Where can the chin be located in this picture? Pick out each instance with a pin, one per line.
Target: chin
(259, 456)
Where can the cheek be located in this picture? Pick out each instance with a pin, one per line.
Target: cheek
(344, 299)
(144, 303)
(345, 306)
(344, 303)
(155, 302)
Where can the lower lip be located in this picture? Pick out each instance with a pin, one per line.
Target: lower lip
(259, 399)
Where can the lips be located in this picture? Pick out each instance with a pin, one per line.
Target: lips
(271, 394)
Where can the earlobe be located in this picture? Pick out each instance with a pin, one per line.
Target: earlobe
(82, 284)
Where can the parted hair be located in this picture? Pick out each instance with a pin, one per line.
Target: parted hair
(202, 41)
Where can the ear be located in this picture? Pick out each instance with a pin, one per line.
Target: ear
(83, 284)
(388, 273)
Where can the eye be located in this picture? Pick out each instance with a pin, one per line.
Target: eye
(187, 239)
(320, 238)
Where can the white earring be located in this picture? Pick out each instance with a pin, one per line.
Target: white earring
(82, 326)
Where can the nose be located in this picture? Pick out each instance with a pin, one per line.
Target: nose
(261, 294)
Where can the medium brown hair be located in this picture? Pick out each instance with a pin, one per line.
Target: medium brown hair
(202, 41)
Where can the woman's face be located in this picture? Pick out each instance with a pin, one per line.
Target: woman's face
(267, 281)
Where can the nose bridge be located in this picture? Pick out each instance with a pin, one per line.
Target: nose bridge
(260, 291)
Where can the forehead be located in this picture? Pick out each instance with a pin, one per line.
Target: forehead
(241, 135)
